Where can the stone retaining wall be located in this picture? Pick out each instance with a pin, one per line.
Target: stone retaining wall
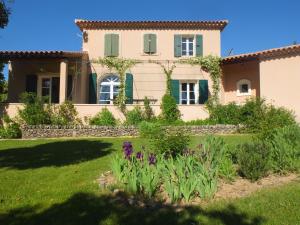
(50, 131)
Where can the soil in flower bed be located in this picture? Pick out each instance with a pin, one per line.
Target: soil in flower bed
(239, 188)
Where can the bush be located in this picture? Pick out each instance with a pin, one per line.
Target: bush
(254, 160)
(259, 117)
(226, 114)
(285, 149)
(170, 141)
(149, 130)
(65, 114)
(134, 117)
(34, 112)
(148, 112)
(11, 129)
(103, 118)
(169, 109)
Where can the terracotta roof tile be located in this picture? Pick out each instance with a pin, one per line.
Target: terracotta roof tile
(39, 54)
(287, 50)
(99, 24)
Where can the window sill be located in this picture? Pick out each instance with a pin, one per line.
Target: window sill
(243, 94)
(156, 54)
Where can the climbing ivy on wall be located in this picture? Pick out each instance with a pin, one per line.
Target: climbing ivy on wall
(212, 65)
(120, 65)
(168, 70)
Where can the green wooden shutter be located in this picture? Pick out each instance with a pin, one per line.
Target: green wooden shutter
(147, 43)
(203, 91)
(93, 88)
(175, 90)
(114, 45)
(177, 45)
(199, 45)
(31, 83)
(152, 43)
(107, 44)
(129, 88)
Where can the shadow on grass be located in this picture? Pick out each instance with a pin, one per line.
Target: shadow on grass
(59, 153)
(83, 209)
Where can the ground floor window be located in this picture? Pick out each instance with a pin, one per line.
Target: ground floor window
(109, 89)
(188, 93)
(243, 87)
(49, 88)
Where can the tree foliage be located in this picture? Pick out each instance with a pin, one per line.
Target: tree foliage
(4, 14)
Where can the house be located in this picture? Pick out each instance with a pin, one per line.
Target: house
(64, 75)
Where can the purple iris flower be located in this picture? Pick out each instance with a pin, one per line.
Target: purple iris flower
(139, 155)
(152, 159)
(128, 150)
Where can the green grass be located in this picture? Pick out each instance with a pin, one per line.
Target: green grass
(53, 182)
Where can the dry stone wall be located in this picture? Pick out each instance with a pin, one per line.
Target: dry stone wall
(50, 131)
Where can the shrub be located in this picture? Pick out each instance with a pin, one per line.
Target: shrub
(34, 112)
(11, 129)
(225, 114)
(169, 109)
(257, 116)
(148, 112)
(103, 118)
(285, 149)
(253, 159)
(65, 114)
(150, 130)
(170, 141)
(134, 117)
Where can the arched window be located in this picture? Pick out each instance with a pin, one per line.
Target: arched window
(243, 87)
(109, 89)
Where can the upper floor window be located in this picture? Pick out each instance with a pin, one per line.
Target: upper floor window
(187, 46)
(111, 45)
(109, 89)
(243, 87)
(188, 93)
(150, 43)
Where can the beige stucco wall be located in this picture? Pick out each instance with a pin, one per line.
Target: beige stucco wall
(191, 112)
(131, 43)
(279, 82)
(232, 73)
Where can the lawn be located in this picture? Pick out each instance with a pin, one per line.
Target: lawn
(53, 182)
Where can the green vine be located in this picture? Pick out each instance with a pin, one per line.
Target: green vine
(168, 72)
(210, 64)
(120, 65)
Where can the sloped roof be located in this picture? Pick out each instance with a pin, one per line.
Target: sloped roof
(38, 54)
(100, 24)
(287, 50)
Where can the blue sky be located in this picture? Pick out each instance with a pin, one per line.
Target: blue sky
(253, 24)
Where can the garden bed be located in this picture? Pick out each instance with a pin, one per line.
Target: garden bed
(226, 190)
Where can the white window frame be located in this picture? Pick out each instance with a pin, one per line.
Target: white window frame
(188, 82)
(238, 87)
(187, 44)
(39, 85)
(111, 85)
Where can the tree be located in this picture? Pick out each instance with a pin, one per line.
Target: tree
(4, 13)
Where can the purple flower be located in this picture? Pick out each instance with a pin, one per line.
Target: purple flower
(127, 149)
(139, 155)
(152, 159)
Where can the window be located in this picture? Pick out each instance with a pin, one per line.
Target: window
(49, 87)
(187, 46)
(188, 93)
(243, 87)
(109, 89)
